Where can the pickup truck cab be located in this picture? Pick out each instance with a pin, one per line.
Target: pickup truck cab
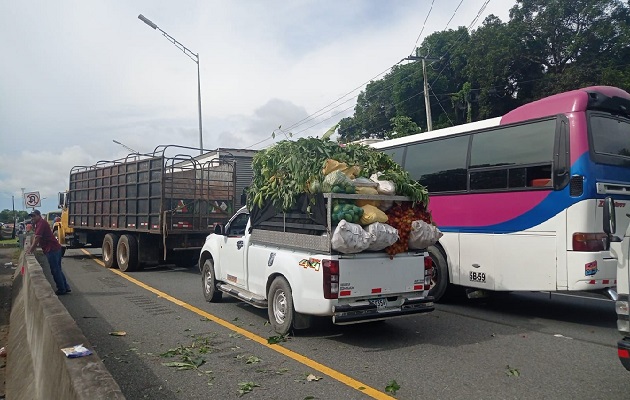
(293, 276)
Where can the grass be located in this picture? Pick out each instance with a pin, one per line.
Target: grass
(9, 241)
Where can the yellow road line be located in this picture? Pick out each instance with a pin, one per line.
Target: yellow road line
(343, 378)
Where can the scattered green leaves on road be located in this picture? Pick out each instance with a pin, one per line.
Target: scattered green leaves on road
(253, 360)
(512, 371)
(276, 339)
(392, 387)
(246, 387)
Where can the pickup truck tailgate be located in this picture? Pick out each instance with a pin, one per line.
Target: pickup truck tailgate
(374, 274)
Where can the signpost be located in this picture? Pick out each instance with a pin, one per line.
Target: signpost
(32, 199)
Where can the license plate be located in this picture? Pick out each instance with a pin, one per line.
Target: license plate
(379, 303)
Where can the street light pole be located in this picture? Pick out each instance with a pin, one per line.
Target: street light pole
(192, 56)
(125, 146)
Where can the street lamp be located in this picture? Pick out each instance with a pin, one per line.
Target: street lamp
(125, 146)
(192, 56)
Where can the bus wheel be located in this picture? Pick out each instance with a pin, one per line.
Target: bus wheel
(110, 242)
(127, 253)
(209, 281)
(439, 280)
(280, 309)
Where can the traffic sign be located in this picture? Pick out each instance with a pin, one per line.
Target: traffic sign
(32, 199)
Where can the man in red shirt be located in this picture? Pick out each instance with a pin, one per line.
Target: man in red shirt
(51, 248)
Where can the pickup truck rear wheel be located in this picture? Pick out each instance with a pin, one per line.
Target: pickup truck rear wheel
(110, 242)
(209, 283)
(439, 280)
(280, 309)
(127, 253)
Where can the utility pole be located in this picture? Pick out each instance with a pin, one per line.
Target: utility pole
(14, 218)
(427, 104)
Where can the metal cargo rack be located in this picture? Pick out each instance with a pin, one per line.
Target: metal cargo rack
(152, 193)
(294, 230)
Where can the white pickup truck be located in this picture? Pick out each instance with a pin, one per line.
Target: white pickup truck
(286, 264)
(620, 249)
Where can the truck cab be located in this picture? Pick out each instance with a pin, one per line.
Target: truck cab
(620, 249)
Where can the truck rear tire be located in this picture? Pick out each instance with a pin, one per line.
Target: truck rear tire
(127, 253)
(110, 243)
(280, 308)
(439, 280)
(209, 283)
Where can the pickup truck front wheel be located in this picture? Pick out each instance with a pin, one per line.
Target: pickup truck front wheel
(280, 307)
(209, 281)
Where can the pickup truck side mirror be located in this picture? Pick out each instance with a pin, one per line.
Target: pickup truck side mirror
(218, 229)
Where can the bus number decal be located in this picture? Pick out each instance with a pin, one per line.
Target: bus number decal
(477, 277)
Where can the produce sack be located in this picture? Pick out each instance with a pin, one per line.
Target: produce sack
(366, 190)
(350, 238)
(359, 182)
(384, 235)
(333, 165)
(372, 214)
(383, 186)
(337, 182)
(423, 235)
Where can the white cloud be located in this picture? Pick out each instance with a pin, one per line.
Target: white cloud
(77, 74)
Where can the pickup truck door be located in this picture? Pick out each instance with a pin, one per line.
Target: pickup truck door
(233, 248)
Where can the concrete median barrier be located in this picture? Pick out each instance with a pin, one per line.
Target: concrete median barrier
(40, 327)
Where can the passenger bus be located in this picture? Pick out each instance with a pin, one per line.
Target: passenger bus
(520, 197)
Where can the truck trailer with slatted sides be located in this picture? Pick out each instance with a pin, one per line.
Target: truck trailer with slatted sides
(147, 209)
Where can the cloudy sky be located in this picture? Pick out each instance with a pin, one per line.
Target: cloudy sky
(77, 74)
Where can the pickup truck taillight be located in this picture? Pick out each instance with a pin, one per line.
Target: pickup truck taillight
(428, 272)
(589, 241)
(331, 278)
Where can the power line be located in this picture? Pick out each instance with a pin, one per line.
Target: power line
(334, 103)
(423, 25)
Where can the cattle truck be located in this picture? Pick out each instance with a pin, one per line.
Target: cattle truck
(148, 209)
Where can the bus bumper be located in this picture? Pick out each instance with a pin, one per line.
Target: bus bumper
(623, 349)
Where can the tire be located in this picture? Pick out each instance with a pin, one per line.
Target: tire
(209, 283)
(127, 253)
(439, 280)
(110, 243)
(280, 309)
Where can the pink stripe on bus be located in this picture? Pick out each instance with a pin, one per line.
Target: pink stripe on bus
(482, 209)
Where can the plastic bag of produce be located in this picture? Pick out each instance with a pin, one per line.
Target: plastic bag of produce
(423, 235)
(364, 182)
(338, 182)
(384, 235)
(383, 186)
(350, 238)
(385, 205)
(372, 214)
(333, 165)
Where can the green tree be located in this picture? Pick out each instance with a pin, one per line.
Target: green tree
(402, 126)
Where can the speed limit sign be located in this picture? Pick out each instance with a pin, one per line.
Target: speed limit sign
(32, 199)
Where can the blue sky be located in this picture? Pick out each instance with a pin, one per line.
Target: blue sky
(77, 74)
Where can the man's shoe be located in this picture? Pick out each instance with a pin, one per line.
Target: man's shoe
(68, 290)
(60, 292)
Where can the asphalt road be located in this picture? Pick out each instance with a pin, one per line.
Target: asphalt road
(520, 346)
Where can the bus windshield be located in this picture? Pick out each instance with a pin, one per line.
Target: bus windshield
(610, 138)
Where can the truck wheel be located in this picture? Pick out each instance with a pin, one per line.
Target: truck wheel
(110, 242)
(127, 253)
(209, 283)
(280, 309)
(439, 281)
